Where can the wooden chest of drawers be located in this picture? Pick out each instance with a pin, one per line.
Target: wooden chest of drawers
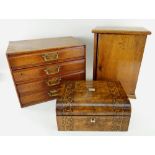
(118, 54)
(92, 106)
(39, 66)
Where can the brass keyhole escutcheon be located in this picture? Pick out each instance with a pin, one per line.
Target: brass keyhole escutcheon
(92, 120)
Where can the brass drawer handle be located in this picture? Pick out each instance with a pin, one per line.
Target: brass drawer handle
(92, 120)
(53, 82)
(50, 56)
(53, 93)
(52, 70)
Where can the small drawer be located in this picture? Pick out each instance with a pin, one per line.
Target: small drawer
(44, 57)
(34, 73)
(93, 123)
(42, 96)
(46, 84)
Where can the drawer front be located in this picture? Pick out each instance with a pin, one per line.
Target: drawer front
(53, 56)
(48, 71)
(93, 123)
(38, 97)
(48, 83)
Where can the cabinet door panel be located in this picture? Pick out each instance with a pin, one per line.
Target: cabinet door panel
(119, 58)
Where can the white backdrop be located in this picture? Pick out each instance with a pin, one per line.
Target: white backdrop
(40, 119)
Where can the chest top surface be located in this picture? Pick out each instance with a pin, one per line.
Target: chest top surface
(42, 44)
(122, 30)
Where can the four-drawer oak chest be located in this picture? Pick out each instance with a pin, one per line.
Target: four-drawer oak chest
(39, 66)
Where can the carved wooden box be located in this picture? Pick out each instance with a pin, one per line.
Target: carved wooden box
(118, 54)
(92, 106)
(39, 66)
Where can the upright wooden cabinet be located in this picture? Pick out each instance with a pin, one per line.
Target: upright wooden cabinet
(118, 54)
(39, 66)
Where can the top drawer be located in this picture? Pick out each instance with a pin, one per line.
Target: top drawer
(50, 56)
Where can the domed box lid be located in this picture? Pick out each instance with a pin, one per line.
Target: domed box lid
(92, 98)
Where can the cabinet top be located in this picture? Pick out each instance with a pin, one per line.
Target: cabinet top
(122, 30)
(42, 44)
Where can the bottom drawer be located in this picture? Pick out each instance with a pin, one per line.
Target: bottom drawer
(93, 123)
(38, 97)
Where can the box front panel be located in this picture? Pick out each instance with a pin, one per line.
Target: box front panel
(93, 123)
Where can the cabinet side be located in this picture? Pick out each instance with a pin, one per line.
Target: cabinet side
(85, 60)
(95, 55)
